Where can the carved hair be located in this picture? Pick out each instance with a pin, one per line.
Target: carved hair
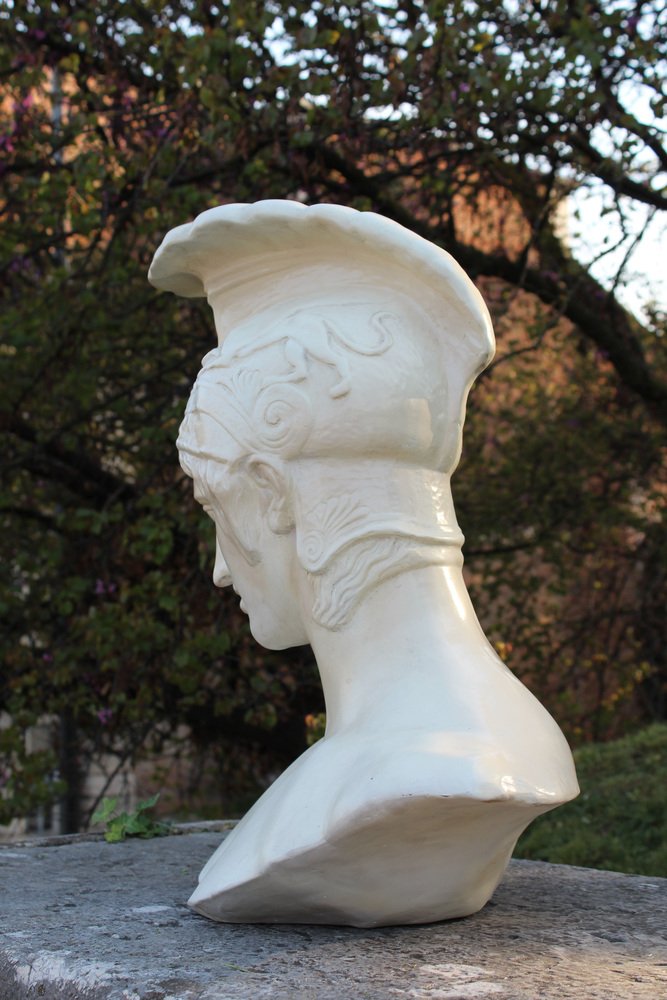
(360, 567)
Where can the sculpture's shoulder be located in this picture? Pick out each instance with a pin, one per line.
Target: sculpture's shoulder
(470, 764)
(347, 778)
(349, 773)
(357, 814)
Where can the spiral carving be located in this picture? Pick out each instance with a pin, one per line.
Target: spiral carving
(282, 418)
(267, 402)
(312, 549)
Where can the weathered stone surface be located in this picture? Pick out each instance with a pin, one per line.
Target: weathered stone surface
(114, 916)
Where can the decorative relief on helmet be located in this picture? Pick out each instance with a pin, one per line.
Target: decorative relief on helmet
(320, 340)
(337, 521)
(263, 394)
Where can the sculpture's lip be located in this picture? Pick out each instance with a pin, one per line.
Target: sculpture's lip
(241, 602)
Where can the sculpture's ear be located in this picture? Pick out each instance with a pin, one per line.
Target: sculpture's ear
(272, 480)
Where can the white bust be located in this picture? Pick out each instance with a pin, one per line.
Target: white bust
(321, 436)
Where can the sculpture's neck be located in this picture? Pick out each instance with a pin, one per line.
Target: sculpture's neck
(409, 658)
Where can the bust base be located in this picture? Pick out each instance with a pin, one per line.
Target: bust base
(418, 860)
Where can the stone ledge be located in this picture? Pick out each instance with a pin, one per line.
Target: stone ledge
(113, 917)
(62, 840)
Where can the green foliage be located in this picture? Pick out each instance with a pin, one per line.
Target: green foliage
(618, 822)
(466, 121)
(26, 774)
(315, 727)
(573, 504)
(133, 824)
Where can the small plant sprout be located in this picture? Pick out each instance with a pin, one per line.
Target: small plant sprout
(120, 825)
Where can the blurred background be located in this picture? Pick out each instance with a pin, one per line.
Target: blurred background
(527, 139)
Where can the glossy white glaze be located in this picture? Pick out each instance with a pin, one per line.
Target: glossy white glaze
(321, 435)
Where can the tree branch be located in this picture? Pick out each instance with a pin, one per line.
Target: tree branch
(75, 470)
(582, 300)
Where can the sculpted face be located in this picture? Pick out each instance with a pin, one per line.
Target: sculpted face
(319, 491)
(258, 562)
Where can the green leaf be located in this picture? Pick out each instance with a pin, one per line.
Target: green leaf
(148, 803)
(105, 810)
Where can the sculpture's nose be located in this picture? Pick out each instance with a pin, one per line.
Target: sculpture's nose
(221, 575)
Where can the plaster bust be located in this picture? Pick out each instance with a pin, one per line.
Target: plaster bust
(321, 435)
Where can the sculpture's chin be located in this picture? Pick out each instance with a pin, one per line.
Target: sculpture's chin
(276, 636)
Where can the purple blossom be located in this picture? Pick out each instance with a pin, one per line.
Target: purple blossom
(157, 130)
(105, 715)
(17, 263)
(24, 103)
(463, 88)
(47, 657)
